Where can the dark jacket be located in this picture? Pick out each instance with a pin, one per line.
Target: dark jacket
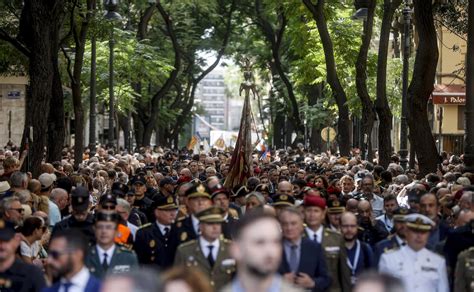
(312, 262)
(93, 285)
(86, 227)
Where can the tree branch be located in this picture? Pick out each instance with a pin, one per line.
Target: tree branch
(14, 42)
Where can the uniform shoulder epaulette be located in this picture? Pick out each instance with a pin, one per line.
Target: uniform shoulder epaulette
(144, 226)
(329, 230)
(125, 248)
(225, 240)
(392, 249)
(188, 243)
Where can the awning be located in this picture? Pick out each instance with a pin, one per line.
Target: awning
(449, 94)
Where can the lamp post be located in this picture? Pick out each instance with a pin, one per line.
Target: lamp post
(406, 55)
(112, 16)
(469, 133)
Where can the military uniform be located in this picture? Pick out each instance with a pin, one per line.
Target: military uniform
(215, 261)
(191, 255)
(122, 261)
(334, 250)
(185, 226)
(464, 274)
(155, 246)
(392, 242)
(421, 270)
(228, 226)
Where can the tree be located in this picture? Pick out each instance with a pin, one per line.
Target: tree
(381, 103)
(38, 39)
(421, 88)
(368, 113)
(317, 10)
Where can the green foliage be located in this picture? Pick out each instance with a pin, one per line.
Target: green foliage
(135, 61)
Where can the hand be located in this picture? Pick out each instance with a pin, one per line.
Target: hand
(289, 277)
(304, 280)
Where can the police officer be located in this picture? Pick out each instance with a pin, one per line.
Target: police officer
(220, 198)
(197, 199)
(332, 242)
(142, 202)
(209, 252)
(464, 273)
(80, 219)
(107, 257)
(419, 268)
(15, 275)
(156, 242)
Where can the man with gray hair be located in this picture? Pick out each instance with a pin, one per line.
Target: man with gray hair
(123, 209)
(18, 181)
(56, 203)
(11, 211)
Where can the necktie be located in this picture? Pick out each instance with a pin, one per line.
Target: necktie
(66, 286)
(105, 264)
(167, 231)
(294, 258)
(315, 238)
(210, 258)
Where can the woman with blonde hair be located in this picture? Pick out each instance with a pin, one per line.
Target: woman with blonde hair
(186, 279)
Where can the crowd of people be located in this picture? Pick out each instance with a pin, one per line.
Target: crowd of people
(163, 220)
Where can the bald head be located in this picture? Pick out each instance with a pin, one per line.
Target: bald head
(351, 205)
(348, 218)
(285, 188)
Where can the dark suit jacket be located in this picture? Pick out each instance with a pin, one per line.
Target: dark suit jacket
(385, 245)
(93, 285)
(228, 227)
(152, 247)
(312, 262)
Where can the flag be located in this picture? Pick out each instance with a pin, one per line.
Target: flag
(241, 162)
(193, 141)
(220, 143)
(206, 147)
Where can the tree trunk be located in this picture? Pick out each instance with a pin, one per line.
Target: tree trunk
(314, 92)
(279, 130)
(39, 27)
(93, 98)
(421, 88)
(56, 119)
(381, 103)
(469, 136)
(368, 114)
(275, 38)
(343, 135)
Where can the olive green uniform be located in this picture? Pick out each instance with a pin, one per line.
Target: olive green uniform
(122, 261)
(464, 275)
(191, 255)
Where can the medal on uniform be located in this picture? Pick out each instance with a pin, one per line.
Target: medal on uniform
(353, 267)
(184, 235)
(152, 243)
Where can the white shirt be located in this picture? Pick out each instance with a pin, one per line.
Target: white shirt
(162, 227)
(195, 222)
(205, 247)
(420, 271)
(377, 205)
(79, 281)
(319, 233)
(54, 213)
(109, 252)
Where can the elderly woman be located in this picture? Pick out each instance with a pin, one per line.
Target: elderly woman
(254, 200)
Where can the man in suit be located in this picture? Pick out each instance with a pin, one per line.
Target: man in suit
(303, 259)
(197, 199)
(331, 241)
(209, 252)
(67, 251)
(156, 242)
(106, 257)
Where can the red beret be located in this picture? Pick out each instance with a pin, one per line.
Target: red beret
(314, 201)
